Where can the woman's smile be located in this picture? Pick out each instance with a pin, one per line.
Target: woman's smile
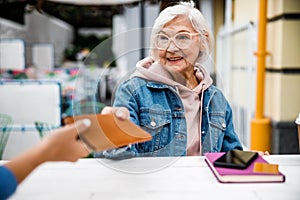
(174, 59)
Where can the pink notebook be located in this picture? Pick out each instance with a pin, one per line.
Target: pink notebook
(229, 175)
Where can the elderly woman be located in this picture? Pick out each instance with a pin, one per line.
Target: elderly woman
(172, 96)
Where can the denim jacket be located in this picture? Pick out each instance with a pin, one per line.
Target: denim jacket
(158, 109)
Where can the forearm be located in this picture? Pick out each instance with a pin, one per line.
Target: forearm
(25, 163)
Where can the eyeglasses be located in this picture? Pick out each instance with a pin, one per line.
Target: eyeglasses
(182, 40)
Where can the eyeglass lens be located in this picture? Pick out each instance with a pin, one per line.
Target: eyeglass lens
(181, 40)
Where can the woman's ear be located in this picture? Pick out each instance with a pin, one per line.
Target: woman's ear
(205, 33)
(204, 42)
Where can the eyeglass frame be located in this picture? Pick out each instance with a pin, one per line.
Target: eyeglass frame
(172, 39)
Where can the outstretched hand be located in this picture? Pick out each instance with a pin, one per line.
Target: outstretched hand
(64, 143)
(61, 145)
(120, 112)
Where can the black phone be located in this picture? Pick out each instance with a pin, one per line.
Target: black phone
(236, 159)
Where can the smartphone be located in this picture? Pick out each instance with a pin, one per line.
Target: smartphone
(236, 159)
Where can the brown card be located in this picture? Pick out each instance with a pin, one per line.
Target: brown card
(108, 132)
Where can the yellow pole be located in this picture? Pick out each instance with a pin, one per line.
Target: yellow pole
(261, 126)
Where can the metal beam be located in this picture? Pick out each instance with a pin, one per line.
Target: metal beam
(260, 125)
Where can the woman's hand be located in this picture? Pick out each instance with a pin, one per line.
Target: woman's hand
(262, 153)
(119, 112)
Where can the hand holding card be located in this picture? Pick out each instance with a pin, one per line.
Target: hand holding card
(108, 132)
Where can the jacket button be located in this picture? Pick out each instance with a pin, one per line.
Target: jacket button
(153, 123)
(223, 125)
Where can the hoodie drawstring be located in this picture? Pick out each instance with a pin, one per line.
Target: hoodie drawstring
(200, 115)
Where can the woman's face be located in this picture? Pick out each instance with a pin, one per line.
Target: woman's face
(172, 54)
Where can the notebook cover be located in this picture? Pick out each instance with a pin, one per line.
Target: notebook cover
(241, 175)
(108, 132)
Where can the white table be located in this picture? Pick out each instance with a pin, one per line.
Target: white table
(172, 178)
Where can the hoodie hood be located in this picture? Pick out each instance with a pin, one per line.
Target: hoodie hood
(156, 72)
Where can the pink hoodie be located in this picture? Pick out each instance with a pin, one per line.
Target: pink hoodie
(191, 98)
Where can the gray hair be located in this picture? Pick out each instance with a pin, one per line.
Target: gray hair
(197, 20)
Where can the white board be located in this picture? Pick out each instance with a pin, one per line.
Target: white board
(12, 54)
(30, 101)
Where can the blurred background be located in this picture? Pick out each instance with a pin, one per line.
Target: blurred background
(79, 50)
